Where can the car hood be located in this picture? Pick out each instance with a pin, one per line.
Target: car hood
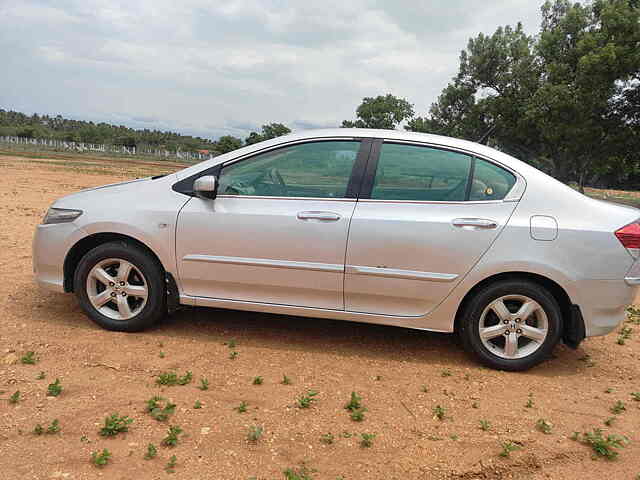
(124, 189)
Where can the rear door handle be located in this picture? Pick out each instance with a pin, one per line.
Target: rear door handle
(474, 223)
(325, 216)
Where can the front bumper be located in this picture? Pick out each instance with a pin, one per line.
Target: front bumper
(50, 246)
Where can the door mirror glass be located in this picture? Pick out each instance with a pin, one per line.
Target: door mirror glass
(205, 187)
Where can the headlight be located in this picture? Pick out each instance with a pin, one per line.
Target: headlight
(61, 215)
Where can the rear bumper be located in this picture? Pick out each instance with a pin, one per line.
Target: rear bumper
(603, 303)
(50, 246)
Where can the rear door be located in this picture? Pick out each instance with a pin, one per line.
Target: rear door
(425, 216)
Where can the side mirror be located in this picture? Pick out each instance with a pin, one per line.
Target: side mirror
(205, 187)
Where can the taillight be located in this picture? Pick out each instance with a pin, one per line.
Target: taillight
(629, 236)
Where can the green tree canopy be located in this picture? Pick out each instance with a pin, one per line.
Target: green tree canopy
(383, 111)
(565, 100)
(269, 131)
(228, 143)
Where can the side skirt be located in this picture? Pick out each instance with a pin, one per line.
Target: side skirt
(416, 323)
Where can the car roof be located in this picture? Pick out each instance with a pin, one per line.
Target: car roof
(400, 135)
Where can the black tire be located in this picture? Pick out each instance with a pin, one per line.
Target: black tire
(155, 306)
(469, 325)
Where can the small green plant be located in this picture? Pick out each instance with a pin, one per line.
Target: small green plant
(633, 314)
(544, 426)
(446, 373)
(635, 396)
(41, 376)
(161, 355)
(233, 355)
(609, 390)
(286, 380)
(424, 389)
(38, 429)
(254, 434)
(152, 451)
(258, 381)
(529, 403)
(355, 403)
(197, 405)
(625, 334)
(618, 407)
(231, 343)
(172, 378)
(100, 459)
(587, 360)
(29, 358)
(54, 389)
(170, 467)
(305, 400)
(84, 439)
(15, 398)
(171, 440)
(358, 415)
(204, 384)
(439, 412)
(327, 438)
(377, 378)
(54, 427)
(157, 410)
(366, 439)
(609, 421)
(242, 407)
(508, 447)
(114, 424)
(301, 473)
(475, 405)
(603, 447)
(485, 425)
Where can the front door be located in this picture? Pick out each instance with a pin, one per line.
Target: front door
(425, 218)
(277, 230)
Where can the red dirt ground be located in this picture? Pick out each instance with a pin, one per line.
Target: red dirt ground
(104, 372)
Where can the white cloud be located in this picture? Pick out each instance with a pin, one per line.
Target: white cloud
(214, 68)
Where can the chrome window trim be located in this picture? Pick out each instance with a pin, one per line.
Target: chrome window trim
(513, 195)
(266, 262)
(438, 202)
(399, 273)
(267, 197)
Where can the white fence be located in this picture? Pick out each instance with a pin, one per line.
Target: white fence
(48, 144)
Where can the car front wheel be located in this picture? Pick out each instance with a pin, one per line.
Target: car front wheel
(511, 325)
(120, 287)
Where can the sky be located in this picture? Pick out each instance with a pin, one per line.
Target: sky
(212, 68)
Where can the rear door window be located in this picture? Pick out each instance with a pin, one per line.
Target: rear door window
(417, 173)
(490, 182)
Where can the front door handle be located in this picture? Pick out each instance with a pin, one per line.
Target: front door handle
(474, 223)
(325, 216)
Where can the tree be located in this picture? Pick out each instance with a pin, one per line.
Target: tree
(269, 131)
(228, 143)
(562, 100)
(383, 111)
(456, 113)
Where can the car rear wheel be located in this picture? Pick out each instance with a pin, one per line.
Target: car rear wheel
(511, 325)
(120, 287)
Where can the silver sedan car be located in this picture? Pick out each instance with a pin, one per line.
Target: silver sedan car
(378, 226)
